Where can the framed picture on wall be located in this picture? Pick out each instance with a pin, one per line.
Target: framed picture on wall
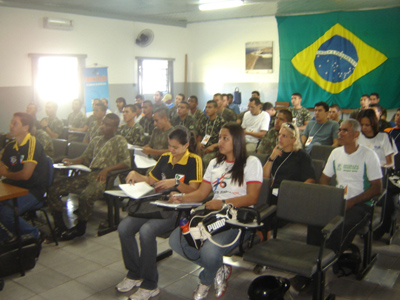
(259, 57)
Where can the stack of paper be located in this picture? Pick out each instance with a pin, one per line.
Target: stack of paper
(72, 167)
(138, 190)
(142, 160)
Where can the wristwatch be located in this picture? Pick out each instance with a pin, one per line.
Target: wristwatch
(270, 159)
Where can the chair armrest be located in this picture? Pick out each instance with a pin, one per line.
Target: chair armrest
(379, 198)
(331, 226)
(117, 172)
(267, 212)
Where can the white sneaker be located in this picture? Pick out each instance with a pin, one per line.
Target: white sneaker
(201, 292)
(143, 294)
(220, 281)
(127, 284)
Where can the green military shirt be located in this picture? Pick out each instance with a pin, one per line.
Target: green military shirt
(241, 115)
(147, 125)
(189, 123)
(228, 115)
(134, 135)
(92, 131)
(173, 112)
(102, 154)
(354, 113)
(300, 115)
(45, 139)
(159, 140)
(76, 120)
(212, 128)
(268, 142)
(56, 125)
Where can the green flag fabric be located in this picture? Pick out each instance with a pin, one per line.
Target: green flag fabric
(337, 57)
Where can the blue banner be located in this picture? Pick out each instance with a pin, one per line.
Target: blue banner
(95, 84)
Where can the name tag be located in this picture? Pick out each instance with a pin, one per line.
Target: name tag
(205, 139)
(309, 140)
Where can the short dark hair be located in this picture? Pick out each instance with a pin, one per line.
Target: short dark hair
(337, 107)
(113, 117)
(182, 95)
(161, 93)
(322, 103)
(298, 95)
(256, 92)
(267, 106)
(132, 107)
(121, 99)
(184, 103)
(365, 95)
(378, 106)
(288, 115)
(183, 136)
(26, 120)
(217, 95)
(139, 97)
(195, 98)
(230, 95)
(148, 102)
(256, 100)
(214, 103)
(375, 94)
(101, 105)
(224, 95)
(137, 106)
(162, 112)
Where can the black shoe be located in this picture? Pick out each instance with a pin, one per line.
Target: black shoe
(72, 233)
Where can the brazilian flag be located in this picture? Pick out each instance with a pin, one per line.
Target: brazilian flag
(337, 57)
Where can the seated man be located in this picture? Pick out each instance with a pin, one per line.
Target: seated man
(158, 103)
(358, 172)
(194, 112)
(158, 144)
(232, 105)
(322, 131)
(183, 117)
(51, 124)
(76, 121)
(383, 124)
(147, 121)
(131, 131)
(23, 163)
(173, 112)
(270, 140)
(223, 110)
(104, 154)
(335, 113)
(269, 108)
(44, 138)
(120, 102)
(208, 133)
(374, 97)
(31, 109)
(301, 116)
(99, 111)
(255, 124)
(365, 101)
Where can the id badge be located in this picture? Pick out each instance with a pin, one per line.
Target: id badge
(309, 140)
(275, 192)
(146, 134)
(205, 140)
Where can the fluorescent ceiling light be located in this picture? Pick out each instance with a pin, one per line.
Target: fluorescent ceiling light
(220, 4)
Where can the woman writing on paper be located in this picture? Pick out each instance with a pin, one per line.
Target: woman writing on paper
(235, 178)
(179, 168)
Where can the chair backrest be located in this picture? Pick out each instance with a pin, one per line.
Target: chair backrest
(60, 147)
(281, 105)
(76, 149)
(3, 138)
(321, 152)
(50, 174)
(309, 204)
(264, 193)
(318, 165)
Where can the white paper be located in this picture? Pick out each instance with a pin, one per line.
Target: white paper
(175, 205)
(142, 160)
(74, 167)
(137, 190)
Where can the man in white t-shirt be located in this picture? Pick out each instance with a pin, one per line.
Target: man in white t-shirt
(358, 172)
(255, 124)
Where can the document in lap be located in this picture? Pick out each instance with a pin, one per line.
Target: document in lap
(139, 190)
(73, 167)
(142, 160)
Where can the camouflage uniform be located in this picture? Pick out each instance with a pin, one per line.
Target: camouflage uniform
(134, 135)
(148, 127)
(159, 140)
(92, 131)
(301, 115)
(268, 142)
(189, 123)
(157, 106)
(228, 115)
(354, 113)
(173, 112)
(46, 141)
(56, 125)
(98, 155)
(198, 117)
(76, 120)
(241, 116)
(212, 128)
(272, 122)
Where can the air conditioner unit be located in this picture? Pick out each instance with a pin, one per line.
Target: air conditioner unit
(60, 24)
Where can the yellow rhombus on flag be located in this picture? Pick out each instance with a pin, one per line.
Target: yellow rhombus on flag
(337, 59)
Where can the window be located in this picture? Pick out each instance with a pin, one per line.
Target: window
(155, 74)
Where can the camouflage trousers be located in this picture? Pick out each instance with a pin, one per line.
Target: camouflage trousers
(87, 188)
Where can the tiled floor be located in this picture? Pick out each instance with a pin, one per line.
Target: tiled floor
(91, 266)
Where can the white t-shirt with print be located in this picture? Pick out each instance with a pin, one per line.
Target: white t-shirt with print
(255, 123)
(221, 181)
(353, 171)
(380, 143)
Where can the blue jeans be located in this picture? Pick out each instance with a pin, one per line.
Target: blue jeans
(143, 266)
(209, 256)
(25, 203)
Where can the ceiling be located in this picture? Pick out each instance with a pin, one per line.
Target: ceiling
(183, 12)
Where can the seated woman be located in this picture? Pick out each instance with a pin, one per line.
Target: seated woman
(235, 178)
(179, 168)
(288, 161)
(380, 142)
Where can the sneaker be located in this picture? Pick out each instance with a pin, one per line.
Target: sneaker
(127, 284)
(220, 281)
(143, 294)
(201, 292)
